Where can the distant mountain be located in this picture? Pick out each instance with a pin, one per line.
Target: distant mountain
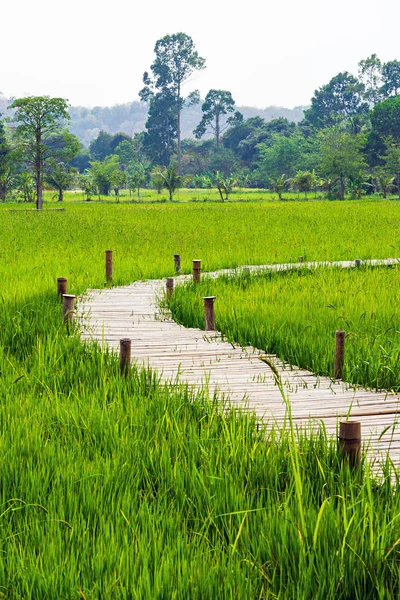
(131, 118)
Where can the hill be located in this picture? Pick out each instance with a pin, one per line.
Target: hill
(131, 117)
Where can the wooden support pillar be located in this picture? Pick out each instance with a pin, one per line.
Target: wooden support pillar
(177, 263)
(61, 287)
(124, 355)
(196, 270)
(339, 355)
(169, 287)
(350, 441)
(109, 265)
(68, 308)
(209, 312)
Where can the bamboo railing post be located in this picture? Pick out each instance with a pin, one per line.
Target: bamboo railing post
(339, 354)
(61, 287)
(169, 287)
(124, 355)
(196, 270)
(209, 312)
(177, 263)
(68, 308)
(350, 441)
(109, 265)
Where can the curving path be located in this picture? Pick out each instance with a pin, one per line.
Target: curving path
(191, 356)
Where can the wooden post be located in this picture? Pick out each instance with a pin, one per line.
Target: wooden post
(124, 355)
(177, 263)
(339, 354)
(61, 287)
(109, 265)
(357, 262)
(196, 270)
(68, 308)
(350, 441)
(300, 259)
(169, 287)
(209, 312)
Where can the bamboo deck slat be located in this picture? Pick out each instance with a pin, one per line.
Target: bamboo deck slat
(203, 360)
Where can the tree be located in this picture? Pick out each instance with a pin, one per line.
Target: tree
(103, 174)
(39, 119)
(391, 160)
(304, 181)
(284, 155)
(370, 75)
(60, 178)
(159, 139)
(137, 178)
(217, 103)
(225, 185)
(341, 155)
(342, 99)
(5, 156)
(176, 60)
(279, 184)
(385, 119)
(391, 78)
(384, 182)
(100, 147)
(126, 153)
(172, 181)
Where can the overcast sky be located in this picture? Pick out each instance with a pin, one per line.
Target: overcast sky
(266, 53)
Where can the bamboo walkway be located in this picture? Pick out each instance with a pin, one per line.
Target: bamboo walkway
(191, 356)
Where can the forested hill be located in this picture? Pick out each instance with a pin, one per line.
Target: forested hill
(131, 117)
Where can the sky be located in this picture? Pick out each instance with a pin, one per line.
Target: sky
(94, 53)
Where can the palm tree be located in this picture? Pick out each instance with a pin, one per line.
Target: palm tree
(385, 183)
(172, 181)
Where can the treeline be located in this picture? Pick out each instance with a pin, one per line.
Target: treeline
(347, 143)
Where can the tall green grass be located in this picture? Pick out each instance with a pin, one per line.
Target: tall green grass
(117, 487)
(295, 314)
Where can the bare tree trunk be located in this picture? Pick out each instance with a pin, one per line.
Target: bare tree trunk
(38, 170)
(179, 129)
(60, 195)
(217, 128)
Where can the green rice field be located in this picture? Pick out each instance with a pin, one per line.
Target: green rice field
(117, 487)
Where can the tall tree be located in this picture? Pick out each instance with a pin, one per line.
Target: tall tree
(100, 147)
(391, 78)
(176, 60)
(341, 155)
(342, 99)
(216, 104)
(39, 119)
(370, 75)
(159, 139)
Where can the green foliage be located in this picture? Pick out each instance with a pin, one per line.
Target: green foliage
(391, 78)
(217, 103)
(39, 122)
(171, 180)
(100, 147)
(284, 155)
(103, 174)
(370, 75)
(339, 100)
(176, 59)
(224, 185)
(341, 155)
